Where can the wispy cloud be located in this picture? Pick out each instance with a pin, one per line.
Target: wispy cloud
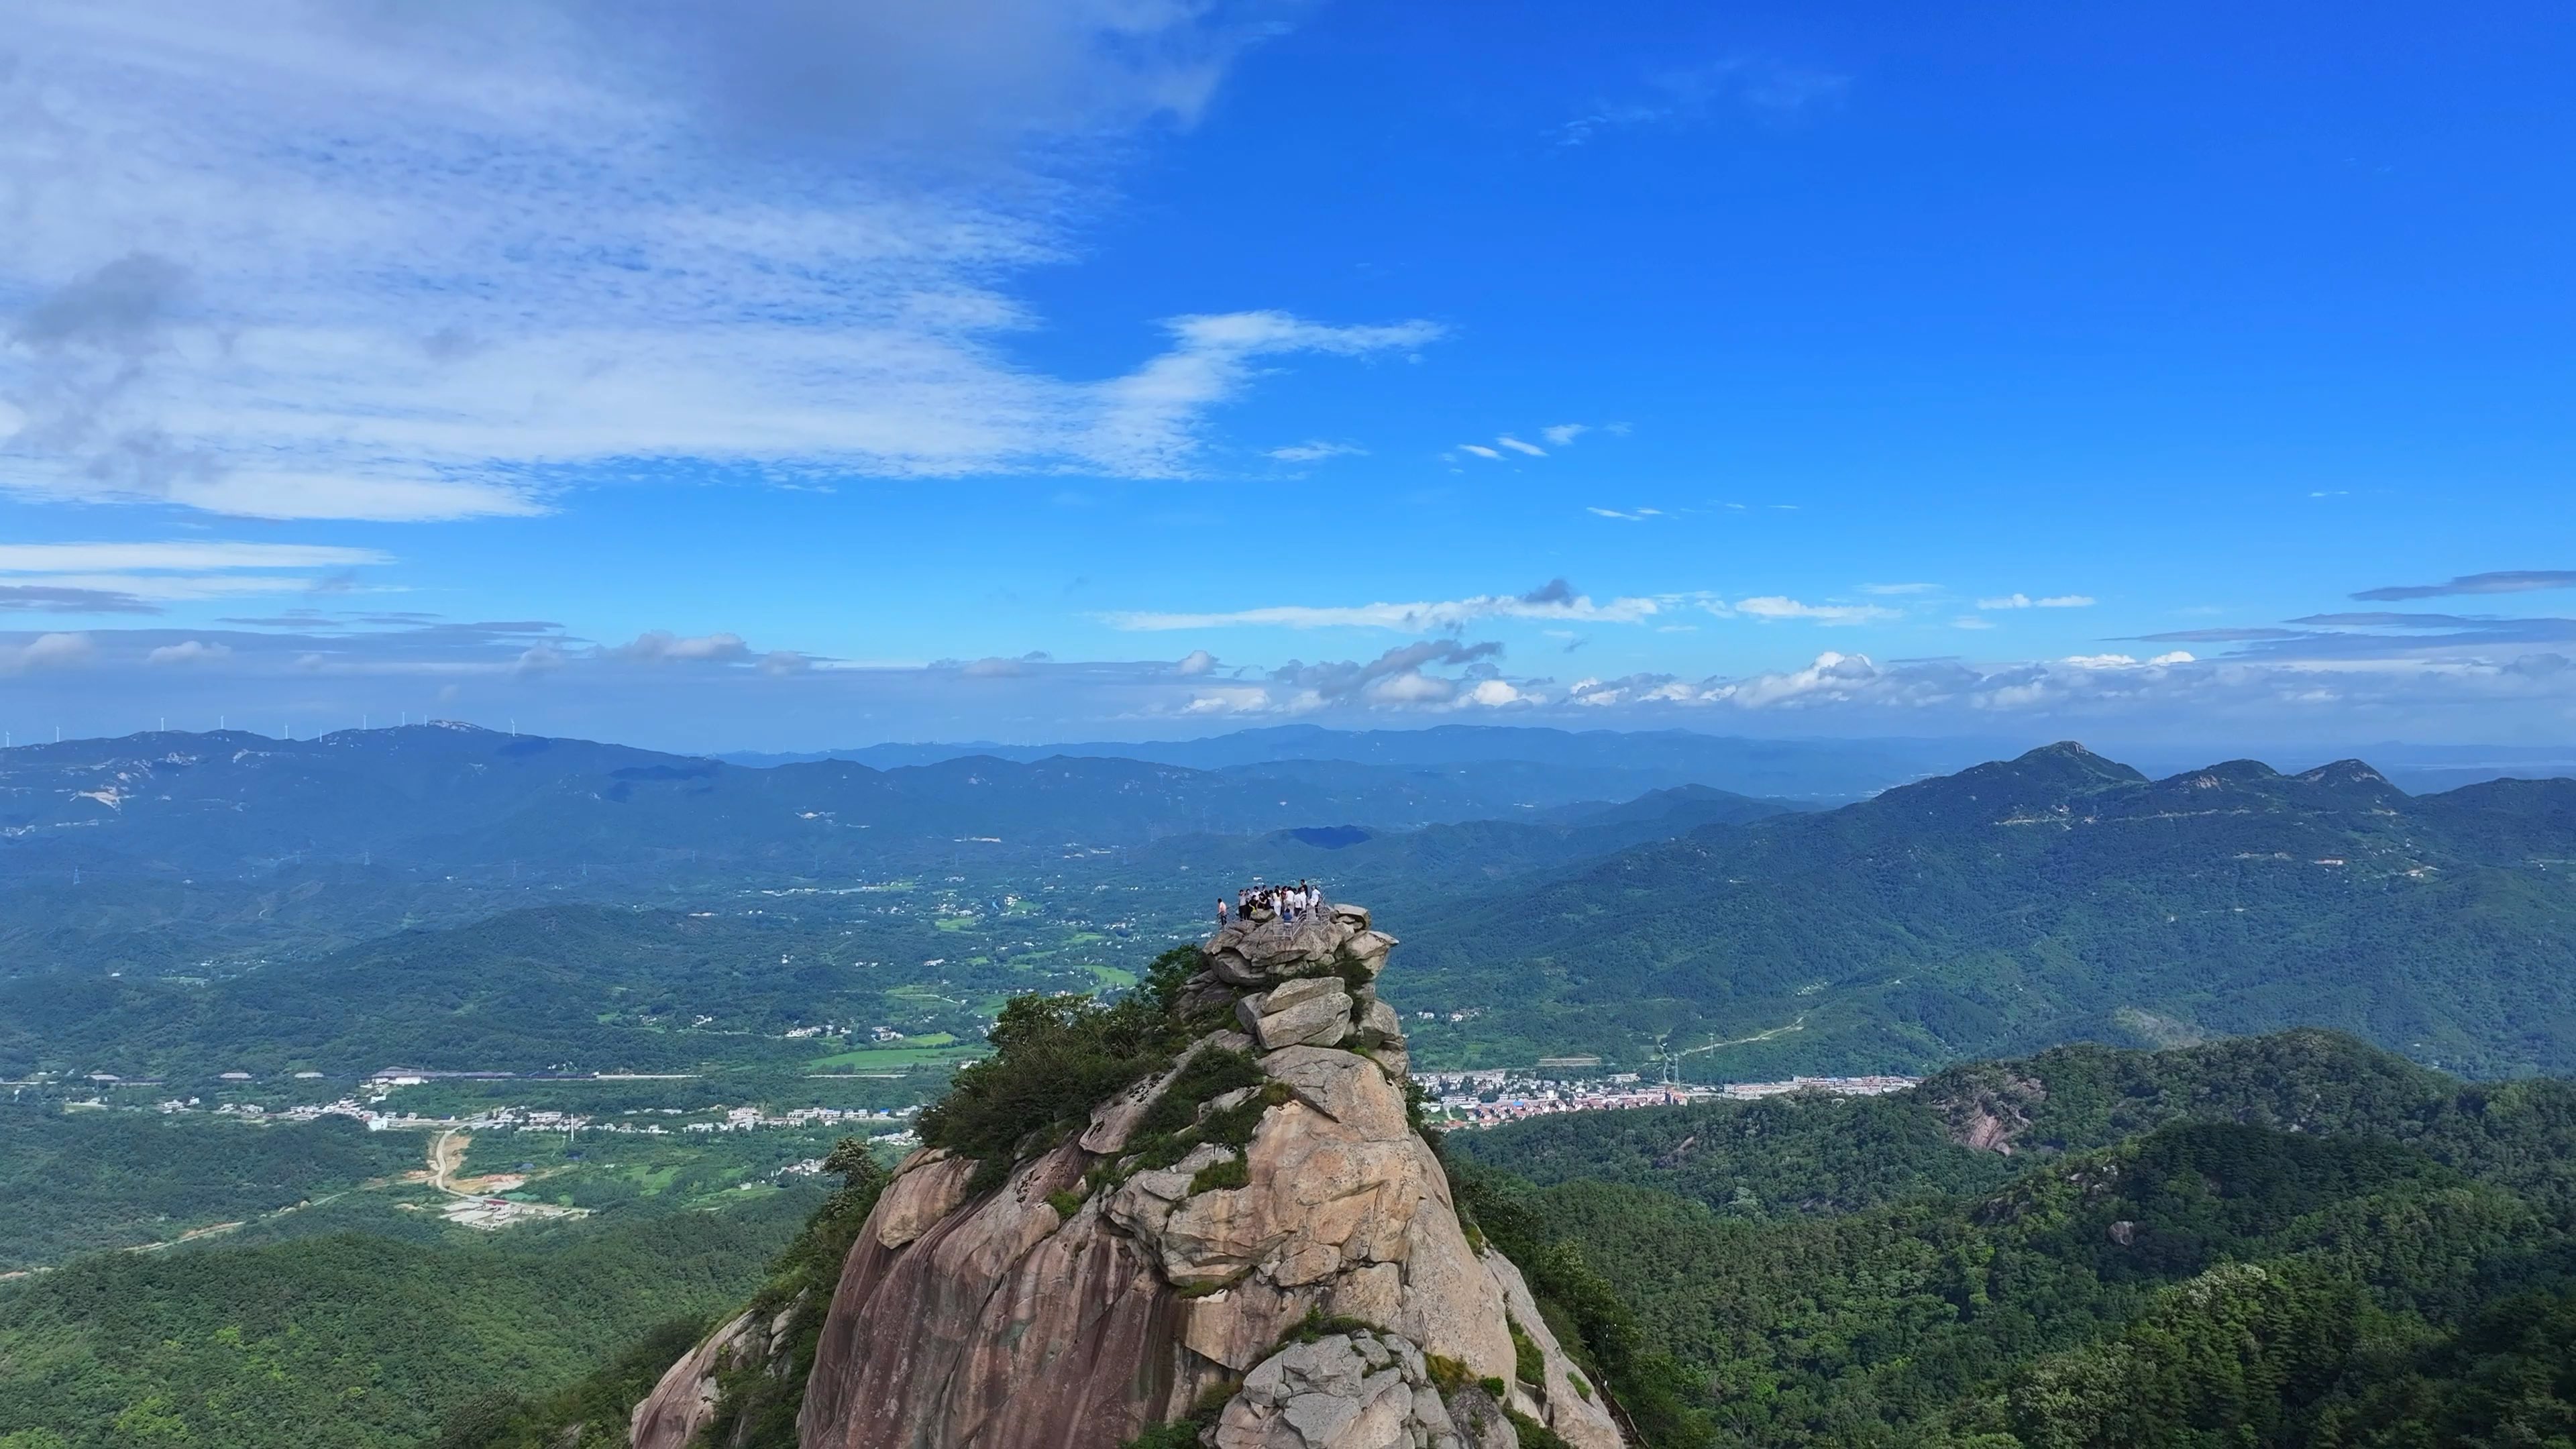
(1775, 606)
(2025, 601)
(1764, 87)
(65, 558)
(2219, 636)
(1316, 451)
(55, 599)
(2506, 581)
(1554, 601)
(1508, 448)
(128, 578)
(293, 261)
(1633, 515)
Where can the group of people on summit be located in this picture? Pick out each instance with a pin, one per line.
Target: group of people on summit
(1290, 904)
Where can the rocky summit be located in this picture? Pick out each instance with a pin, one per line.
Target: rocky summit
(1296, 1278)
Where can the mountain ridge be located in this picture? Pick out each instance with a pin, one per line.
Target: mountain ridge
(2041, 899)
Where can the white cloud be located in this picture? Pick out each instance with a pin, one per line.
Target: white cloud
(48, 651)
(188, 651)
(172, 587)
(1517, 446)
(295, 260)
(661, 646)
(1194, 664)
(1773, 606)
(1480, 450)
(2406, 683)
(2025, 601)
(1249, 699)
(1634, 515)
(1833, 680)
(1316, 451)
(1564, 433)
(539, 659)
(1555, 602)
(1149, 419)
(58, 558)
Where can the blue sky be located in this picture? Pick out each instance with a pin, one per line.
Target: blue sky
(813, 374)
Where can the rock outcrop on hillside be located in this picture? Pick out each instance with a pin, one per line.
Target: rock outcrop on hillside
(1312, 1286)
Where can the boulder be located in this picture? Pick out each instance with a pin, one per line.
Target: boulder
(926, 1188)
(1343, 1087)
(1342, 1391)
(1305, 988)
(1315, 1011)
(1257, 952)
(1370, 949)
(1381, 1021)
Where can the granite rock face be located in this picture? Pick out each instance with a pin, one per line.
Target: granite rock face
(1096, 1292)
(1353, 1390)
(684, 1402)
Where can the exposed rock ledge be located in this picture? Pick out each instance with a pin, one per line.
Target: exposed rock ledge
(1005, 1322)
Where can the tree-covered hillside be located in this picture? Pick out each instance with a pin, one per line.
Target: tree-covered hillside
(2053, 897)
(352, 1341)
(2285, 1241)
(1976, 1126)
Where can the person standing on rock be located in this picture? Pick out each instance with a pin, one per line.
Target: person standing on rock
(1220, 913)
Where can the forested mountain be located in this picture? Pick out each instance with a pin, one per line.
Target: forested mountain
(446, 796)
(1806, 769)
(2053, 897)
(2293, 1240)
(1410, 868)
(1974, 1127)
